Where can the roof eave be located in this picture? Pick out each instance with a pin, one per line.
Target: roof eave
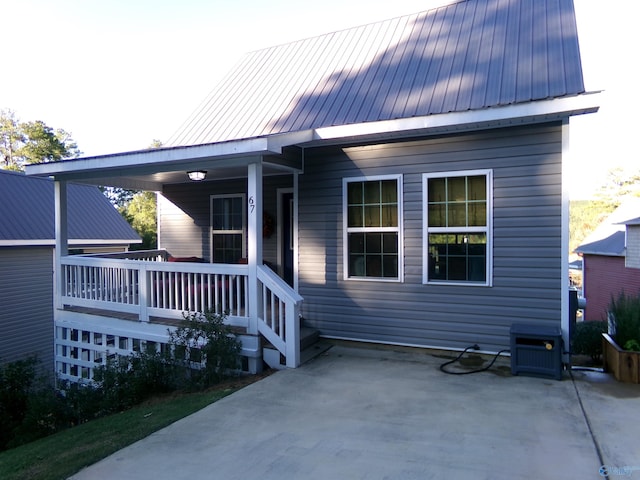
(515, 114)
(50, 242)
(169, 157)
(233, 153)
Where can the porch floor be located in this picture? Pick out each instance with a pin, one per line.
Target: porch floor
(132, 317)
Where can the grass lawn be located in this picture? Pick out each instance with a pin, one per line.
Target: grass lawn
(61, 455)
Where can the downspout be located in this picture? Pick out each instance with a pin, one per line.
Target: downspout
(564, 236)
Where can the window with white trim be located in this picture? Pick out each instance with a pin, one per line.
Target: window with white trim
(372, 216)
(228, 228)
(457, 229)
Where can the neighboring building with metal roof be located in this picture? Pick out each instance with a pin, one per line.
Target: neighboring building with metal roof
(27, 215)
(611, 259)
(27, 239)
(404, 178)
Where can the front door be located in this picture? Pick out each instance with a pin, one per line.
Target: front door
(286, 236)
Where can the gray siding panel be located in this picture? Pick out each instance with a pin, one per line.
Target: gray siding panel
(184, 217)
(26, 304)
(526, 164)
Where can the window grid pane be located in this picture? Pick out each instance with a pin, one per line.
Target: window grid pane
(227, 229)
(455, 203)
(372, 205)
(457, 257)
(373, 255)
(227, 213)
(227, 247)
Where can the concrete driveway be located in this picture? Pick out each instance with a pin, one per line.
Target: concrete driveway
(364, 413)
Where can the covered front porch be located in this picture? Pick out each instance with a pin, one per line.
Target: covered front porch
(118, 303)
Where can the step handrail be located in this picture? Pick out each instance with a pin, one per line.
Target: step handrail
(279, 315)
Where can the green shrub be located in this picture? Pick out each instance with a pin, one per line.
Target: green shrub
(46, 413)
(17, 382)
(30, 406)
(128, 380)
(202, 352)
(206, 347)
(632, 345)
(625, 319)
(587, 339)
(82, 401)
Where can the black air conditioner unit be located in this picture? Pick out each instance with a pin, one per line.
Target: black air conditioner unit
(536, 350)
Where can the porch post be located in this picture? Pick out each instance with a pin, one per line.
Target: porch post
(254, 239)
(62, 238)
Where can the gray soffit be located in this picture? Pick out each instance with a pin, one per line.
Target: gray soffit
(27, 214)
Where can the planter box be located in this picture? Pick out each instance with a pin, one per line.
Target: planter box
(623, 364)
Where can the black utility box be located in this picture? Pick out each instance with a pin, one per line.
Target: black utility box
(536, 350)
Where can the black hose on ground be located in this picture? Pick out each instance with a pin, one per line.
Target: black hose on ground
(472, 347)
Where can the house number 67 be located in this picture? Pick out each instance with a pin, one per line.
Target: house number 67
(252, 204)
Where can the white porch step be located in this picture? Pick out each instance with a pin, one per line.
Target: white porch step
(310, 347)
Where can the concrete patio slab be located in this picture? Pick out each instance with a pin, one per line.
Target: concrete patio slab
(365, 413)
(612, 409)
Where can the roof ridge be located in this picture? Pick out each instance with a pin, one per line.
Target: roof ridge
(460, 56)
(442, 4)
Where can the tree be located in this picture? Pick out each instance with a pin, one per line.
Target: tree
(620, 183)
(141, 215)
(23, 143)
(586, 215)
(11, 137)
(138, 208)
(121, 197)
(43, 144)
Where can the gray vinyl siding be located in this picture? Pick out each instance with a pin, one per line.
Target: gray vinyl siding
(26, 304)
(184, 231)
(526, 164)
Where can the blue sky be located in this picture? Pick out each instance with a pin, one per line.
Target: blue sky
(119, 73)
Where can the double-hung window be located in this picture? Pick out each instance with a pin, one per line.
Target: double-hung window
(372, 219)
(228, 231)
(457, 228)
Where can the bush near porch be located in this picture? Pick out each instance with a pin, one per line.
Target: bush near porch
(206, 352)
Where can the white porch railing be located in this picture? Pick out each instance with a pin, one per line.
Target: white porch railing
(279, 315)
(144, 285)
(148, 288)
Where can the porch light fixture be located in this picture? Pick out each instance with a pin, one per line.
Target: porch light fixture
(197, 175)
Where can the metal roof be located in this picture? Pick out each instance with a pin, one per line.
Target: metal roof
(27, 213)
(632, 222)
(469, 55)
(609, 237)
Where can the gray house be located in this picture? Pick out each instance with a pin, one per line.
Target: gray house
(398, 183)
(27, 240)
